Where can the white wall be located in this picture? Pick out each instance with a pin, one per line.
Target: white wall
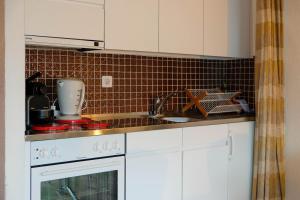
(14, 100)
(292, 61)
(2, 94)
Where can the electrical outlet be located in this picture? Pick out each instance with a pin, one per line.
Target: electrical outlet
(106, 81)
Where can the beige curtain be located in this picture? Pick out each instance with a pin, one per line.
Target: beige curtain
(269, 169)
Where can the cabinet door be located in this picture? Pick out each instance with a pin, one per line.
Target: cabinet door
(154, 176)
(227, 28)
(153, 165)
(205, 161)
(240, 163)
(131, 25)
(181, 26)
(239, 23)
(205, 174)
(216, 27)
(74, 19)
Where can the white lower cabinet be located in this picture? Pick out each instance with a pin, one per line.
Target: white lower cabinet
(205, 174)
(240, 162)
(205, 163)
(195, 163)
(154, 176)
(153, 165)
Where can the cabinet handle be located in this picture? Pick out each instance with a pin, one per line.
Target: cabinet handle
(80, 168)
(87, 2)
(230, 147)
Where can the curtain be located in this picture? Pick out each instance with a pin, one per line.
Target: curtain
(269, 169)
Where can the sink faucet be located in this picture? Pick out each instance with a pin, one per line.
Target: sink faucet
(158, 103)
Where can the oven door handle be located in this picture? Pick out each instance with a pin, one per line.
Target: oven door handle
(81, 168)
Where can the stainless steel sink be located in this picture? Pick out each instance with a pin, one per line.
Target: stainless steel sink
(171, 117)
(178, 119)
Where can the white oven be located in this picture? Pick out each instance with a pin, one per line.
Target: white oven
(90, 168)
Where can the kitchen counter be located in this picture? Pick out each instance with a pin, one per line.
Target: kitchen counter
(134, 122)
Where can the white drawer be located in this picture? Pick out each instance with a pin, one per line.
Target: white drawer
(148, 141)
(205, 135)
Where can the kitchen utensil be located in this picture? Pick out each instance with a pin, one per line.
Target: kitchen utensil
(70, 93)
(76, 121)
(35, 88)
(41, 116)
(50, 127)
(38, 110)
(244, 105)
(212, 101)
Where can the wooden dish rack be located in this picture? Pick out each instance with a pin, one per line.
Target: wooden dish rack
(212, 101)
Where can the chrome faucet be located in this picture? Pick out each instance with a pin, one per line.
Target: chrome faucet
(158, 103)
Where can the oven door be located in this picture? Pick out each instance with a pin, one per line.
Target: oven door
(101, 179)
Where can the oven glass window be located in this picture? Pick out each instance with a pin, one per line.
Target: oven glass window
(102, 186)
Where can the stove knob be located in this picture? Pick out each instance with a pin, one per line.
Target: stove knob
(97, 148)
(54, 152)
(43, 153)
(105, 146)
(47, 154)
(115, 145)
(110, 146)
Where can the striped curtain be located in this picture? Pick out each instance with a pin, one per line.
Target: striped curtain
(269, 169)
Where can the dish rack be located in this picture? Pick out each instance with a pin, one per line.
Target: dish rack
(212, 101)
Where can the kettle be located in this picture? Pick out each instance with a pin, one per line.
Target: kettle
(70, 95)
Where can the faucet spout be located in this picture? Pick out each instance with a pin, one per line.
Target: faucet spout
(159, 102)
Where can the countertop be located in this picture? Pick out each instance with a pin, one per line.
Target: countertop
(135, 122)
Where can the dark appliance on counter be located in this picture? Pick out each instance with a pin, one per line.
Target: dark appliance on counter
(38, 109)
(40, 117)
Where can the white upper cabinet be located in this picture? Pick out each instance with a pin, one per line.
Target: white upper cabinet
(70, 19)
(216, 27)
(181, 26)
(253, 27)
(227, 28)
(219, 28)
(131, 25)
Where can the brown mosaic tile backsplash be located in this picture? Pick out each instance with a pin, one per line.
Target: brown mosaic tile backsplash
(137, 79)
